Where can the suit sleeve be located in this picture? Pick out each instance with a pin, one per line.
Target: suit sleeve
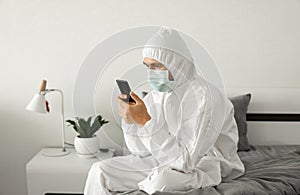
(178, 152)
(132, 140)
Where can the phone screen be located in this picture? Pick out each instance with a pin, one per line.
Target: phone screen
(125, 89)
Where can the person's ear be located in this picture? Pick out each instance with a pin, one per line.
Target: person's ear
(171, 78)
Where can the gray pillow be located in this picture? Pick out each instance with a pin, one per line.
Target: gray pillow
(240, 104)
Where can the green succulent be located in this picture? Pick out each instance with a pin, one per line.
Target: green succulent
(87, 128)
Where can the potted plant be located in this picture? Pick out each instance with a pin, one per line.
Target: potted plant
(87, 143)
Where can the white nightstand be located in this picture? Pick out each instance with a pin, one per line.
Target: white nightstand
(64, 174)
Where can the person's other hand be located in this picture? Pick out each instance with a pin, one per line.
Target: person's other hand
(133, 112)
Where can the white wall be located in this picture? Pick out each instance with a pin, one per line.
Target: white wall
(256, 44)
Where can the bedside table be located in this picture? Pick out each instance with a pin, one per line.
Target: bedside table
(61, 175)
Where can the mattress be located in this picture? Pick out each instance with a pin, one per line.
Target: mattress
(268, 170)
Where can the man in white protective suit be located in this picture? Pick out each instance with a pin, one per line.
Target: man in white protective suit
(182, 135)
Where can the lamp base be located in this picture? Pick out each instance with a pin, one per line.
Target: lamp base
(55, 152)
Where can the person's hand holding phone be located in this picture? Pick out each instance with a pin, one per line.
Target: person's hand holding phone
(133, 112)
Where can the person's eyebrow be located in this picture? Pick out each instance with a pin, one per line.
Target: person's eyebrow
(154, 64)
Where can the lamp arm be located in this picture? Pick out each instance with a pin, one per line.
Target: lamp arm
(62, 113)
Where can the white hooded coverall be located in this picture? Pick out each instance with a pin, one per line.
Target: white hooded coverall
(190, 141)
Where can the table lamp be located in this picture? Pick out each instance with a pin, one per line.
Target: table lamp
(39, 104)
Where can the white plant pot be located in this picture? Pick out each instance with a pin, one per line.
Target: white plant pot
(87, 147)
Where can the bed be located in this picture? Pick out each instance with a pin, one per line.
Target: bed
(269, 170)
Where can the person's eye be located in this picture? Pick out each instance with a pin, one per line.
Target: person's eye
(159, 66)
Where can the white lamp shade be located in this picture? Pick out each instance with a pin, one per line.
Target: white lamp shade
(37, 104)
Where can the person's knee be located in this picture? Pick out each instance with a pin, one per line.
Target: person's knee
(162, 180)
(172, 180)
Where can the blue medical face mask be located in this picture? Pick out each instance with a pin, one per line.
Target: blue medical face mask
(159, 80)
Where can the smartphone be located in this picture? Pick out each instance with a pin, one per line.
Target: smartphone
(125, 89)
